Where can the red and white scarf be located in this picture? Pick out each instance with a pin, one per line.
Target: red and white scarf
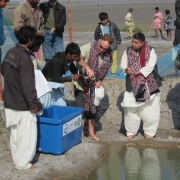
(99, 72)
(142, 87)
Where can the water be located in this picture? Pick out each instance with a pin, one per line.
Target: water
(133, 163)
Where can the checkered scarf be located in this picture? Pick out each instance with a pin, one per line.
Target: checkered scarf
(142, 87)
(99, 72)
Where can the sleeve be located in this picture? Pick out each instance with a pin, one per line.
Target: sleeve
(57, 68)
(41, 26)
(124, 62)
(27, 83)
(97, 33)
(18, 18)
(118, 35)
(73, 69)
(85, 49)
(127, 18)
(168, 20)
(146, 70)
(160, 16)
(62, 21)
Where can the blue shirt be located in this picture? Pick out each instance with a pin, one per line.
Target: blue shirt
(1, 29)
(106, 29)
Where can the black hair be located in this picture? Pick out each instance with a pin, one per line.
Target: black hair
(72, 48)
(156, 8)
(131, 9)
(25, 33)
(167, 11)
(38, 41)
(103, 15)
(139, 36)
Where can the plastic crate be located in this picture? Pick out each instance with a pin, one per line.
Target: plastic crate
(59, 129)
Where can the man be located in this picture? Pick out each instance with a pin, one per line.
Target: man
(54, 21)
(58, 66)
(98, 56)
(3, 4)
(157, 22)
(29, 14)
(141, 98)
(129, 23)
(20, 99)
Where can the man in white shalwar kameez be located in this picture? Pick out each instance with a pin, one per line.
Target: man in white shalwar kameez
(141, 98)
(20, 99)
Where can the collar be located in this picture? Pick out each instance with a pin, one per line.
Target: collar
(47, 5)
(30, 5)
(24, 48)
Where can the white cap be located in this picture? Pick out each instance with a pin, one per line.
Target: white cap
(99, 94)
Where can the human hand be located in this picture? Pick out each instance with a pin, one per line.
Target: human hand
(137, 73)
(40, 32)
(34, 110)
(52, 30)
(118, 46)
(128, 70)
(90, 72)
(39, 106)
(75, 77)
(98, 84)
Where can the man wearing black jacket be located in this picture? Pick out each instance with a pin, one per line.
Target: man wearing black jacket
(61, 62)
(20, 99)
(54, 21)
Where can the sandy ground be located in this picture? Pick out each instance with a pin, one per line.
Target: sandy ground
(85, 15)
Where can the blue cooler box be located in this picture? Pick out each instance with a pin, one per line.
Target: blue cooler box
(59, 129)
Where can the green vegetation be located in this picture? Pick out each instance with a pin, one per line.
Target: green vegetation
(136, 29)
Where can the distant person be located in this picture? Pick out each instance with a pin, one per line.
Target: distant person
(177, 24)
(20, 99)
(130, 23)
(168, 25)
(3, 4)
(141, 98)
(98, 56)
(54, 21)
(29, 14)
(157, 22)
(108, 27)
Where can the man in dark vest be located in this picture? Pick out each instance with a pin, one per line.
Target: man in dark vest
(141, 98)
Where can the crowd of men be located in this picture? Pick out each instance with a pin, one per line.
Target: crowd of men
(44, 25)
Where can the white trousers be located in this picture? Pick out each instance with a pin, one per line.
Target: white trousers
(148, 112)
(23, 137)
